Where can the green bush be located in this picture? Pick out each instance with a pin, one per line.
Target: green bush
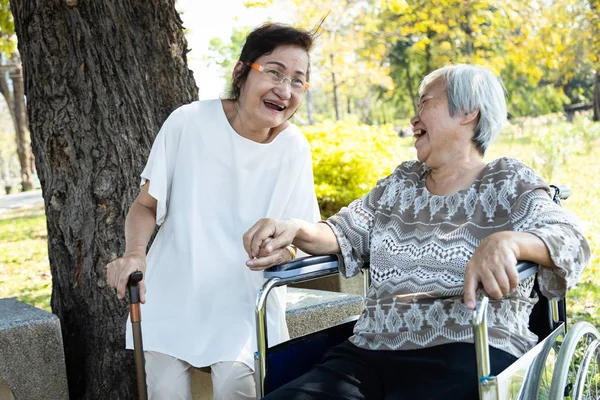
(349, 158)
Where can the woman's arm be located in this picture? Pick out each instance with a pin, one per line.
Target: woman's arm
(139, 226)
(268, 235)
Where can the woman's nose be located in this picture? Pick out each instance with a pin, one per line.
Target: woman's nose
(414, 119)
(283, 89)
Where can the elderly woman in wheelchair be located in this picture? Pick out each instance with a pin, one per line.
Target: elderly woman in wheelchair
(437, 232)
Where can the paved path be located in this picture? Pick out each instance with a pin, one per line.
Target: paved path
(21, 201)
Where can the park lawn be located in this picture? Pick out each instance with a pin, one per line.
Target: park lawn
(24, 268)
(24, 271)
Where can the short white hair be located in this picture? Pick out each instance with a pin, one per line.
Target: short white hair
(470, 88)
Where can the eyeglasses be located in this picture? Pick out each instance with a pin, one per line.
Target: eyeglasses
(297, 84)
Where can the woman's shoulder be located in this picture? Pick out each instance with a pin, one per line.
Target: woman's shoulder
(293, 136)
(507, 166)
(198, 106)
(514, 176)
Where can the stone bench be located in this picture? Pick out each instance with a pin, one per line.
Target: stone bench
(307, 311)
(32, 360)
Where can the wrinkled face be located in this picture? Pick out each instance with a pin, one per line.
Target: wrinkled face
(435, 130)
(269, 104)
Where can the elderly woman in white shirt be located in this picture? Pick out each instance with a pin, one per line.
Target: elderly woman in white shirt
(216, 167)
(434, 231)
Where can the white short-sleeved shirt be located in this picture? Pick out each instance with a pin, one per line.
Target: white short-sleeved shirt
(212, 185)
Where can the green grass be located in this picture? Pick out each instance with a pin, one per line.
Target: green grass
(24, 268)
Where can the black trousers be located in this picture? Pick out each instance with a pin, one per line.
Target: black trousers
(447, 371)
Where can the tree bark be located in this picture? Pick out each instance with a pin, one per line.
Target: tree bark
(100, 78)
(21, 128)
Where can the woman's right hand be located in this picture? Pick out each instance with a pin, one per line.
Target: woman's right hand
(266, 239)
(119, 270)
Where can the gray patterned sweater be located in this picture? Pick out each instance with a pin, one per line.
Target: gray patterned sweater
(418, 245)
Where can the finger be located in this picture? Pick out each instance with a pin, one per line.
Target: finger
(142, 289)
(262, 253)
(513, 278)
(123, 279)
(248, 236)
(258, 264)
(490, 285)
(261, 235)
(113, 274)
(502, 281)
(280, 241)
(471, 284)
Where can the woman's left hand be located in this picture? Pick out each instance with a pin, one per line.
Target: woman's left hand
(493, 264)
(269, 259)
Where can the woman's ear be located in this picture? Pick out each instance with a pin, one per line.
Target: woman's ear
(237, 72)
(473, 116)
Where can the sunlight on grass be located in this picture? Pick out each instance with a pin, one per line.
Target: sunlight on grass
(24, 269)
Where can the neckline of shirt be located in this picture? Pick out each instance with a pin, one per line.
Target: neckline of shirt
(478, 179)
(239, 137)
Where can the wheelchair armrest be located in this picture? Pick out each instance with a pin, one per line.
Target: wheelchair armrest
(305, 267)
(526, 269)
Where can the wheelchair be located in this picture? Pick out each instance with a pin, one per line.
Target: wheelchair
(565, 364)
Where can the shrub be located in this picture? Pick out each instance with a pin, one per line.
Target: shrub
(349, 158)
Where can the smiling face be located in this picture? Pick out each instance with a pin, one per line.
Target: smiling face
(265, 104)
(440, 137)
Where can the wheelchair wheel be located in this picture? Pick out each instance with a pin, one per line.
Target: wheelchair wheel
(587, 385)
(572, 352)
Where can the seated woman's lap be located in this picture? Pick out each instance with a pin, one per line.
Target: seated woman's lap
(349, 372)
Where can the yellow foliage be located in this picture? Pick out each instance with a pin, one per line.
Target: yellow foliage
(258, 3)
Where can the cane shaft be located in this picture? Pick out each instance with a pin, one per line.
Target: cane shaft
(138, 349)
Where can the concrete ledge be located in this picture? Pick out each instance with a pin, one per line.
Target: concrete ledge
(32, 360)
(312, 310)
(307, 311)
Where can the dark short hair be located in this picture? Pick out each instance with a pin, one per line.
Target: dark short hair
(263, 40)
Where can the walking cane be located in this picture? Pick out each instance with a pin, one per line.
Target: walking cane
(136, 319)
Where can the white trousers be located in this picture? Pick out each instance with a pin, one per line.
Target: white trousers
(169, 378)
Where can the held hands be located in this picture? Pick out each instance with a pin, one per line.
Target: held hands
(493, 264)
(119, 270)
(266, 243)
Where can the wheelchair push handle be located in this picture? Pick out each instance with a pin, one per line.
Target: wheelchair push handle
(561, 192)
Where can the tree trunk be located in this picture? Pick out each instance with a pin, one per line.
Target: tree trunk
(336, 104)
(413, 98)
(100, 78)
(596, 100)
(309, 108)
(21, 129)
(8, 96)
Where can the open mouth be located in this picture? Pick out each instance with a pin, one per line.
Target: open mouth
(274, 106)
(417, 133)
